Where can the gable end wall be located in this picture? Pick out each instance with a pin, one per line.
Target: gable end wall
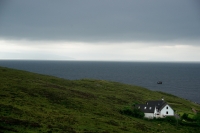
(164, 111)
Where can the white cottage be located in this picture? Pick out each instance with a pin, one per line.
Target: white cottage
(157, 109)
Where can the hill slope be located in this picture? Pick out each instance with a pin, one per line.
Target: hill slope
(37, 103)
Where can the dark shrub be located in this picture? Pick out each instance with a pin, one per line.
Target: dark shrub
(126, 111)
(171, 119)
(190, 124)
(138, 113)
(197, 118)
(132, 112)
(184, 116)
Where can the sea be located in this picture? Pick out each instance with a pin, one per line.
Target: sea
(181, 79)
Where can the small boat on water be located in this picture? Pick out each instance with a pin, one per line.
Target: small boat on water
(159, 82)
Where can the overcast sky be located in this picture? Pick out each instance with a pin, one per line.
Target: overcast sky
(112, 30)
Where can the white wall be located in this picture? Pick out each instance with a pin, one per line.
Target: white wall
(166, 109)
(149, 115)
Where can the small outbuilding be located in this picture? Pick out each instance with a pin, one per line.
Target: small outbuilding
(156, 109)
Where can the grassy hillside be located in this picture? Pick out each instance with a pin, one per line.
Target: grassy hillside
(37, 103)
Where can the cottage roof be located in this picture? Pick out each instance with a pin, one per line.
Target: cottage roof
(159, 104)
(146, 108)
(150, 106)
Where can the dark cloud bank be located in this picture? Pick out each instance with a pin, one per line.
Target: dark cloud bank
(100, 20)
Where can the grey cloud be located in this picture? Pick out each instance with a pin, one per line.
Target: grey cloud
(100, 20)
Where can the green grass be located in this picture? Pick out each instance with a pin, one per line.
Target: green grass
(38, 103)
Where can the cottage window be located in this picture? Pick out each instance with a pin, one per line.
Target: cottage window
(149, 107)
(167, 112)
(145, 107)
(166, 107)
(139, 107)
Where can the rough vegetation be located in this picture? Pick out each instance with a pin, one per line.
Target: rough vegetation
(37, 103)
